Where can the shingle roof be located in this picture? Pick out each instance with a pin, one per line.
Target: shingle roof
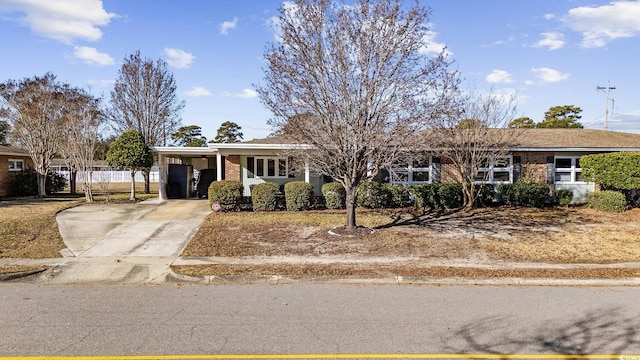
(577, 138)
(12, 150)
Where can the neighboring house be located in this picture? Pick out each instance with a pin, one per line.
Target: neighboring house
(550, 156)
(12, 159)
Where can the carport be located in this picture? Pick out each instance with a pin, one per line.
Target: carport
(177, 166)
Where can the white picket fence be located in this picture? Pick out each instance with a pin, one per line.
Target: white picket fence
(112, 176)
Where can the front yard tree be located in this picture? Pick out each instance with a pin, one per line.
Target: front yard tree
(130, 151)
(470, 148)
(228, 132)
(522, 123)
(82, 121)
(5, 128)
(32, 107)
(144, 99)
(364, 79)
(190, 136)
(565, 116)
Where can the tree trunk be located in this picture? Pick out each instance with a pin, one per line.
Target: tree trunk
(146, 175)
(72, 182)
(133, 185)
(42, 181)
(351, 206)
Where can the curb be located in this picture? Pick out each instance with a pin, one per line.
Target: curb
(22, 274)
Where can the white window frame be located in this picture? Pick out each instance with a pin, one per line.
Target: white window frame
(573, 170)
(15, 162)
(492, 170)
(265, 167)
(410, 170)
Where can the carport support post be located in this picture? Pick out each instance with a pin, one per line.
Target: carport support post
(307, 176)
(218, 166)
(162, 181)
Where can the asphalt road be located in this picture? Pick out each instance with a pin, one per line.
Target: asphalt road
(58, 320)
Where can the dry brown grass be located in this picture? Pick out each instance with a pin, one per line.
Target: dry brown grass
(560, 235)
(10, 269)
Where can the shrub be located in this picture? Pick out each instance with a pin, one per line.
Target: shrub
(425, 195)
(564, 197)
(264, 196)
(373, 195)
(334, 195)
(524, 194)
(227, 194)
(298, 195)
(399, 196)
(485, 195)
(450, 195)
(25, 183)
(611, 201)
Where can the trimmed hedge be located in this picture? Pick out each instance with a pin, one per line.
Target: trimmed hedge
(264, 196)
(373, 195)
(425, 196)
(524, 194)
(564, 197)
(298, 195)
(227, 194)
(399, 196)
(25, 183)
(450, 196)
(484, 195)
(610, 201)
(334, 195)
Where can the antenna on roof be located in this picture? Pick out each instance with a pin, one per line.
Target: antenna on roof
(606, 89)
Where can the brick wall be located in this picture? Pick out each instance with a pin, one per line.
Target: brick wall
(5, 174)
(448, 172)
(534, 165)
(232, 167)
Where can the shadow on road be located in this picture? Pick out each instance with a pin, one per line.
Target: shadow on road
(604, 331)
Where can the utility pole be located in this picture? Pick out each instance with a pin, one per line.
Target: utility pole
(606, 89)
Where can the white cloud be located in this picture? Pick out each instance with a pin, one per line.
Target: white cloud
(245, 94)
(61, 20)
(549, 75)
(431, 46)
(603, 24)
(499, 76)
(101, 83)
(228, 25)
(91, 56)
(198, 91)
(179, 58)
(551, 40)
(549, 16)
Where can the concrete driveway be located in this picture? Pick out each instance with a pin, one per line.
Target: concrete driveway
(125, 243)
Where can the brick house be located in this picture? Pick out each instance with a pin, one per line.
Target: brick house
(12, 159)
(550, 156)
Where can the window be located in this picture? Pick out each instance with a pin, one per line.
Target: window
(16, 165)
(267, 167)
(567, 169)
(418, 172)
(496, 171)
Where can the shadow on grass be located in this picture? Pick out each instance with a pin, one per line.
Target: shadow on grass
(603, 331)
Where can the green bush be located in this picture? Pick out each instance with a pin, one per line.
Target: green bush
(227, 194)
(564, 197)
(484, 195)
(399, 195)
(524, 194)
(611, 201)
(373, 195)
(25, 183)
(450, 196)
(425, 195)
(298, 195)
(264, 196)
(334, 195)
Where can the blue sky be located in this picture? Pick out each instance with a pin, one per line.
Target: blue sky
(550, 52)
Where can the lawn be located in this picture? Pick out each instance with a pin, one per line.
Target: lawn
(28, 227)
(413, 239)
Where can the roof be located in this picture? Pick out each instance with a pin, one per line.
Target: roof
(556, 139)
(9, 150)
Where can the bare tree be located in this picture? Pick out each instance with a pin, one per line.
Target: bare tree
(359, 82)
(34, 107)
(474, 137)
(82, 122)
(144, 99)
